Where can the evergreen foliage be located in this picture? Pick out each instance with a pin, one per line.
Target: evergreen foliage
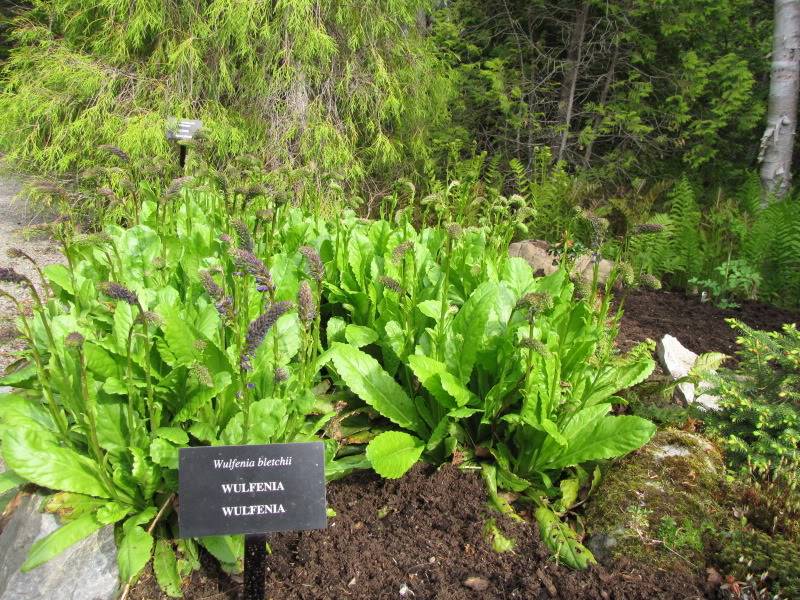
(298, 83)
(759, 416)
(660, 86)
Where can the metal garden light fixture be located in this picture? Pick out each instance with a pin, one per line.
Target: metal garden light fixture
(183, 130)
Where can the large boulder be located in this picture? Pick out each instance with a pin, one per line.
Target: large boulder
(656, 505)
(86, 570)
(536, 252)
(677, 361)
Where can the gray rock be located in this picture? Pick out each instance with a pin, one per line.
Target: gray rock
(602, 545)
(679, 476)
(535, 252)
(677, 361)
(542, 262)
(86, 570)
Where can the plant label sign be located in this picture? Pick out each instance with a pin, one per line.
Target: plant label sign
(251, 489)
(184, 129)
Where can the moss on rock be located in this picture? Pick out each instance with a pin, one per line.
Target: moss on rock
(657, 505)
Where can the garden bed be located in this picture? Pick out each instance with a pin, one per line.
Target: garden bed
(424, 533)
(700, 326)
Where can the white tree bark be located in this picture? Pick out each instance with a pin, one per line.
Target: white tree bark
(778, 140)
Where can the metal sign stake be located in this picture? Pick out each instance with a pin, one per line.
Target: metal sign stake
(255, 556)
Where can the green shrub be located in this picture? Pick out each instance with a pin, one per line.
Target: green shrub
(769, 561)
(319, 88)
(759, 416)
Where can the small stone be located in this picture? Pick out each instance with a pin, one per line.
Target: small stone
(479, 584)
(537, 253)
(406, 591)
(677, 361)
(602, 545)
(352, 582)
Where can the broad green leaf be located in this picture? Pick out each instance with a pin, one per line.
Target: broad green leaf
(364, 375)
(489, 474)
(227, 549)
(32, 454)
(9, 480)
(393, 453)
(395, 339)
(204, 432)
(454, 387)
(616, 377)
(562, 540)
(123, 321)
(287, 330)
(359, 336)
(71, 506)
(62, 538)
(599, 437)
(19, 412)
(336, 469)
(569, 493)
(115, 387)
(165, 566)
(100, 362)
(431, 309)
(111, 428)
(268, 420)
(176, 435)
(146, 474)
(163, 453)
(466, 331)
(20, 376)
(207, 322)
(518, 274)
(111, 512)
(58, 274)
(552, 430)
(189, 560)
(428, 370)
(178, 335)
(336, 330)
(463, 412)
(499, 542)
(133, 552)
(438, 434)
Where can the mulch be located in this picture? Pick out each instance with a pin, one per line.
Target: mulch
(422, 537)
(700, 326)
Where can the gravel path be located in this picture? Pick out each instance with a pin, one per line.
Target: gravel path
(15, 216)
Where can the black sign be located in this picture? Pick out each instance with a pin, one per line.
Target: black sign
(251, 489)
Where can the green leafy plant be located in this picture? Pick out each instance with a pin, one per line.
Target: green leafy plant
(759, 419)
(195, 341)
(482, 360)
(734, 279)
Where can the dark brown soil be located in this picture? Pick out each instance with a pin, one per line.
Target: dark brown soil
(700, 326)
(421, 537)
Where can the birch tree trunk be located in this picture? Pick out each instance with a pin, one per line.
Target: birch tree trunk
(777, 142)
